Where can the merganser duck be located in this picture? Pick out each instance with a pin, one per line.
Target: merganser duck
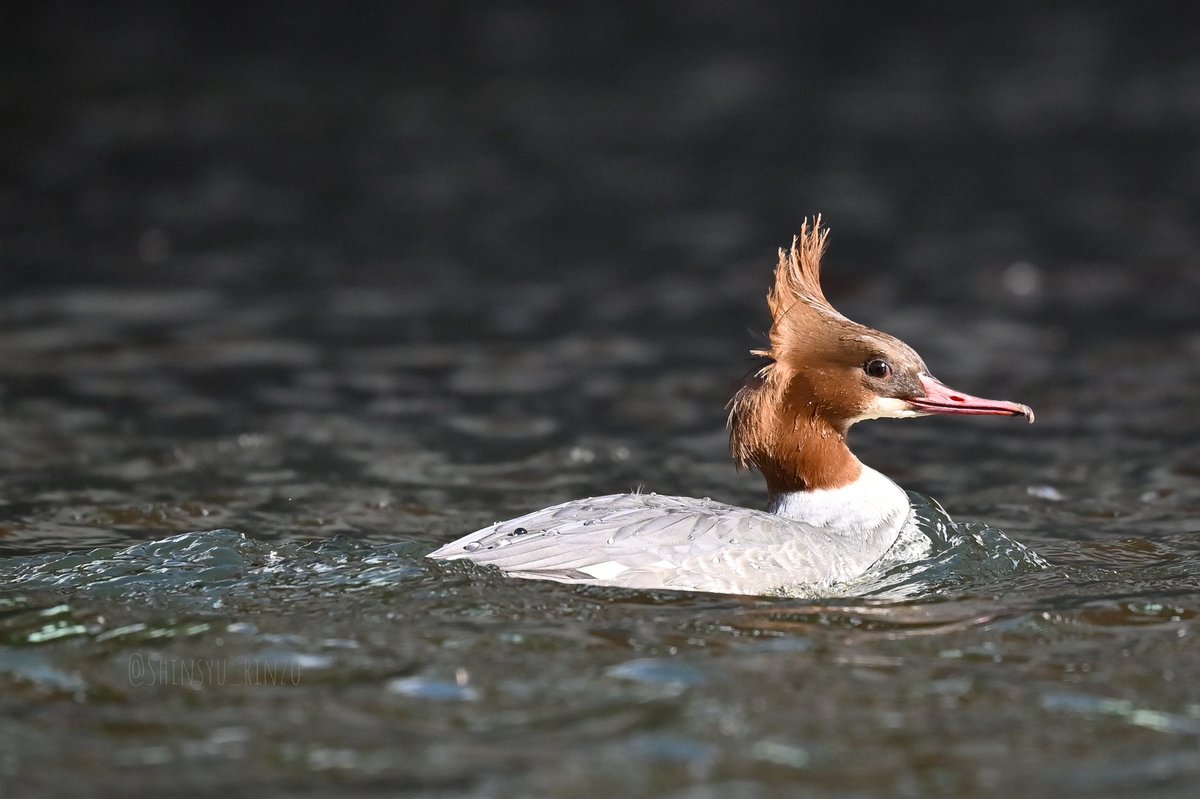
(829, 517)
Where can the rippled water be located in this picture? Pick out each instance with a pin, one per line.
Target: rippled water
(209, 648)
(281, 313)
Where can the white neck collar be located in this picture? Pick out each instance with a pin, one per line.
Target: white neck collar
(872, 507)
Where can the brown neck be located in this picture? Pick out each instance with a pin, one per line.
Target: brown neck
(809, 455)
(795, 451)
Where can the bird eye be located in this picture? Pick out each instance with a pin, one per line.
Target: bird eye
(878, 368)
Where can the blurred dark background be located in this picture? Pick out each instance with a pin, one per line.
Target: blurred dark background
(263, 147)
(487, 232)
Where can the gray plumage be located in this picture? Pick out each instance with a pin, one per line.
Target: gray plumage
(652, 541)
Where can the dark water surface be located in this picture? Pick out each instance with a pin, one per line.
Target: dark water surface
(286, 300)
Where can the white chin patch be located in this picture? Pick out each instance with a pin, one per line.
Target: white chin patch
(889, 408)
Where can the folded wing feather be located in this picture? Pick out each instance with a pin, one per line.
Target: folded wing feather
(647, 540)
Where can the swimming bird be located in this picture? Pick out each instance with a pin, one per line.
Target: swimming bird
(829, 517)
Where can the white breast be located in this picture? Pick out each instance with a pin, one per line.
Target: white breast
(869, 502)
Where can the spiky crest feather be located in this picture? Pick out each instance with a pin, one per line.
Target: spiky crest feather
(797, 280)
(755, 431)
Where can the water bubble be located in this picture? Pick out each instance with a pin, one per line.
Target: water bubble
(471, 547)
(1045, 492)
(581, 455)
(520, 531)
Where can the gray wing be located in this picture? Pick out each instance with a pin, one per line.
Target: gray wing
(651, 541)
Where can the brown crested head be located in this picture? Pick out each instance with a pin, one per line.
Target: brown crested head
(825, 373)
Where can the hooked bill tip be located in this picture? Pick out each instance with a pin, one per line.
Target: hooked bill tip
(940, 398)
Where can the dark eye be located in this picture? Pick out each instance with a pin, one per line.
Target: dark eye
(878, 368)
